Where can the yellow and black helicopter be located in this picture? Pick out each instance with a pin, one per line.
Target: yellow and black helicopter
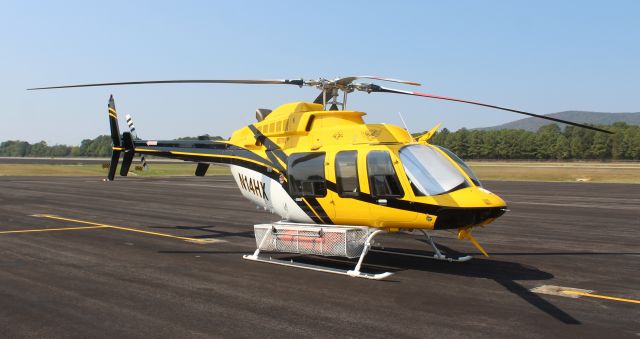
(335, 181)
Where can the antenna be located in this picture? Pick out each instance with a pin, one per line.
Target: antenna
(404, 123)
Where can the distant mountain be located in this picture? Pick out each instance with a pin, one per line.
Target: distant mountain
(598, 118)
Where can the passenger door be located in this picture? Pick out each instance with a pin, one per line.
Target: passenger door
(348, 207)
(386, 191)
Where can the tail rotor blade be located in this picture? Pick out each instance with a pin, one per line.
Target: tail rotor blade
(132, 128)
(375, 88)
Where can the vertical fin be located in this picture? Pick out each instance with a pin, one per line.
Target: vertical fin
(113, 123)
(115, 138)
(129, 152)
(115, 156)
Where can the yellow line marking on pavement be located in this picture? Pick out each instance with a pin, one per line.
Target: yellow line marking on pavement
(602, 297)
(53, 229)
(570, 292)
(199, 241)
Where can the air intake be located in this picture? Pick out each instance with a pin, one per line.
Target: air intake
(261, 113)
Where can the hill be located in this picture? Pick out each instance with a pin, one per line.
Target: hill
(597, 118)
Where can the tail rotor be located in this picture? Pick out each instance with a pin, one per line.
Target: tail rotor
(134, 134)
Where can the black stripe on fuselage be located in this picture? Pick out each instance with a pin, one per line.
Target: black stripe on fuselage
(268, 144)
(448, 217)
(307, 210)
(315, 205)
(200, 151)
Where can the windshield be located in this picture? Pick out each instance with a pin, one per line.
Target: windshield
(462, 165)
(429, 171)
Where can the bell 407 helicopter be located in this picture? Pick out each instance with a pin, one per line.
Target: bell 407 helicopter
(335, 181)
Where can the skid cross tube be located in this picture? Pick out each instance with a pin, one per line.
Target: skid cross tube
(367, 245)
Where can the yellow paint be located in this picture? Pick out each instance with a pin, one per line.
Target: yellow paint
(122, 228)
(162, 234)
(117, 148)
(424, 139)
(601, 297)
(53, 229)
(466, 234)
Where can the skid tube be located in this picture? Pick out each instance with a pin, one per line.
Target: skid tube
(356, 272)
(436, 256)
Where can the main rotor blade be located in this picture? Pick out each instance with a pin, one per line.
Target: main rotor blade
(426, 95)
(297, 82)
(350, 79)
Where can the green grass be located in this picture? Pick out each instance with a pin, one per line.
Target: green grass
(179, 169)
(486, 170)
(558, 171)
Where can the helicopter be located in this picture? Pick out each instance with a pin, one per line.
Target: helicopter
(336, 181)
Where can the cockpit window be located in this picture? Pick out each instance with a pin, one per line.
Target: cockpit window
(462, 165)
(429, 171)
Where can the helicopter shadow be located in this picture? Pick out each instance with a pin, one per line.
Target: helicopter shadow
(210, 232)
(505, 273)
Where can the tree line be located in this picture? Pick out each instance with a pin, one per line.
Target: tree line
(548, 143)
(98, 147)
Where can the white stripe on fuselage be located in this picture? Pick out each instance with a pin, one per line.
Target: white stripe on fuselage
(268, 193)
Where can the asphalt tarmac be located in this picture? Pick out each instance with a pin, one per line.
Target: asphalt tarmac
(73, 275)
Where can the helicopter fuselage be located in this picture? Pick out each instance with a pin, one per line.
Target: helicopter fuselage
(310, 165)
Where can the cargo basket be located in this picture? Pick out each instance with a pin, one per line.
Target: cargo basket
(345, 241)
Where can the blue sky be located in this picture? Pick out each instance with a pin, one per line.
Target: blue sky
(537, 56)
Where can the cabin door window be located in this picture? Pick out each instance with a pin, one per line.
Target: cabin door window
(306, 175)
(347, 174)
(383, 181)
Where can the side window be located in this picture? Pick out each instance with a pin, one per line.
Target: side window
(383, 180)
(347, 174)
(306, 175)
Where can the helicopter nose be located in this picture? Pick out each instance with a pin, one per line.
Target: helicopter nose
(482, 207)
(489, 198)
(456, 217)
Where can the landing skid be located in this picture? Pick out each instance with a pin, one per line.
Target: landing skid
(436, 256)
(433, 257)
(291, 263)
